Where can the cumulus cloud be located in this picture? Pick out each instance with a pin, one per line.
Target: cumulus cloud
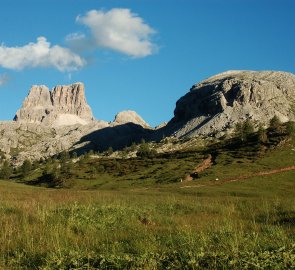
(119, 30)
(4, 78)
(40, 54)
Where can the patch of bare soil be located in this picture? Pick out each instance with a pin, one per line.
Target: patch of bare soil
(207, 163)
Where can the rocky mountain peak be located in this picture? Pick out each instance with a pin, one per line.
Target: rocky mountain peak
(39, 96)
(130, 117)
(215, 105)
(64, 105)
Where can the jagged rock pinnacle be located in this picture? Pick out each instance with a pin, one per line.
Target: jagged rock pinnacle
(64, 105)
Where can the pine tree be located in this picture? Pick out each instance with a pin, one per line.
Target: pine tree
(275, 124)
(65, 163)
(26, 168)
(109, 151)
(262, 135)
(290, 128)
(244, 130)
(6, 170)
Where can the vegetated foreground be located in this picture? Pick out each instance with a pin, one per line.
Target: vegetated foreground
(247, 225)
(143, 223)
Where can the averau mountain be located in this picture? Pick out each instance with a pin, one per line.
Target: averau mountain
(64, 105)
(51, 121)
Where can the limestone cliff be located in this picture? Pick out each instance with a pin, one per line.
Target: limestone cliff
(215, 105)
(64, 105)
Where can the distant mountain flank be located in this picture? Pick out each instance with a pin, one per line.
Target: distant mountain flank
(52, 121)
(215, 105)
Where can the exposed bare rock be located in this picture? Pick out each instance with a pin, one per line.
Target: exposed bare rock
(162, 125)
(215, 105)
(20, 140)
(52, 121)
(64, 105)
(71, 100)
(125, 117)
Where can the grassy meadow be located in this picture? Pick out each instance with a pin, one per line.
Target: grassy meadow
(126, 214)
(241, 225)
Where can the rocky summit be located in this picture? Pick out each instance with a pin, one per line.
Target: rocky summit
(215, 105)
(64, 105)
(52, 121)
(128, 116)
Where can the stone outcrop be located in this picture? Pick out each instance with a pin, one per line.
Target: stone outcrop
(64, 105)
(215, 105)
(20, 140)
(125, 117)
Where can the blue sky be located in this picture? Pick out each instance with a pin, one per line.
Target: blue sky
(141, 55)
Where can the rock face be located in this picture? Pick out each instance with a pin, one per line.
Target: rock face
(215, 105)
(52, 121)
(20, 140)
(125, 117)
(64, 105)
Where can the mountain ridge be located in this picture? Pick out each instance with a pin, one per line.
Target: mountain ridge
(52, 121)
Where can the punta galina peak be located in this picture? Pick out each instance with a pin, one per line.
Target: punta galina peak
(63, 105)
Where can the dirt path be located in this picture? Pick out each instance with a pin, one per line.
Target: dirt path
(207, 163)
(243, 177)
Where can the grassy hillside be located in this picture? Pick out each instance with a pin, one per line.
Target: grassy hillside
(135, 213)
(229, 159)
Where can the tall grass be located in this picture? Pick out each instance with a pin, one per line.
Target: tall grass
(233, 226)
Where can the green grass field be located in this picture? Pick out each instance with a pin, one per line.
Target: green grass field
(136, 214)
(241, 225)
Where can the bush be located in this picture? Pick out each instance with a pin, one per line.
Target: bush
(145, 151)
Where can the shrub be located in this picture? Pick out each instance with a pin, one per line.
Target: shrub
(145, 151)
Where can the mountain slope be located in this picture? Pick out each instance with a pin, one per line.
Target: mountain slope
(215, 105)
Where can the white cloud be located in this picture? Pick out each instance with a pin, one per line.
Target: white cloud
(40, 54)
(79, 42)
(75, 36)
(4, 78)
(119, 30)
